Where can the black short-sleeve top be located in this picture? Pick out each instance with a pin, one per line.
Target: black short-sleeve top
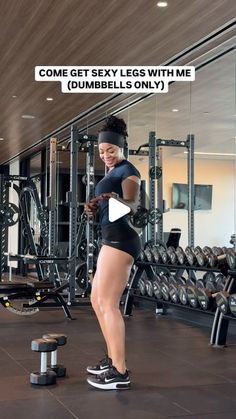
(112, 182)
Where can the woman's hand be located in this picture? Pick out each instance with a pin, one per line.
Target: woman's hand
(106, 196)
(91, 207)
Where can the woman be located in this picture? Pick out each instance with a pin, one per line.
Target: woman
(120, 247)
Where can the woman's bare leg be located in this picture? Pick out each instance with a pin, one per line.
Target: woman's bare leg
(113, 270)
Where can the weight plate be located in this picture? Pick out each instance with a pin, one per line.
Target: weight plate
(140, 218)
(154, 216)
(81, 276)
(155, 172)
(9, 214)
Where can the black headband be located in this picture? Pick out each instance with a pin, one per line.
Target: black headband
(111, 137)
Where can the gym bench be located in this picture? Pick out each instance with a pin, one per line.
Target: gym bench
(36, 292)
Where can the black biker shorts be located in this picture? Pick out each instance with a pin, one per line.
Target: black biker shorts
(122, 237)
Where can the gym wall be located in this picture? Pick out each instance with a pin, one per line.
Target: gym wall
(212, 227)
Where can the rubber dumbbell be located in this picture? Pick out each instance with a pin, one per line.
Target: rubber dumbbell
(174, 289)
(216, 260)
(172, 255)
(190, 255)
(200, 283)
(200, 256)
(217, 251)
(232, 304)
(149, 287)
(141, 257)
(43, 377)
(192, 296)
(163, 254)
(182, 293)
(156, 254)
(142, 286)
(207, 250)
(181, 257)
(148, 254)
(165, 286)
(220, 281)
(205, 299)
(190, 282)
(148, 251)
(157, 288)
(222, 301)
(231, 258)
(61, 340)
(210, 281)
(174, 296)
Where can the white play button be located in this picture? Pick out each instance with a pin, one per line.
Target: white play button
(117, 209)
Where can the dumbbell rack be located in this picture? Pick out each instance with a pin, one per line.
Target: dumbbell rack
(220, 321)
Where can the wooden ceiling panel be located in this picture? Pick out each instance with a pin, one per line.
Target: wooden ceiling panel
(82, 32)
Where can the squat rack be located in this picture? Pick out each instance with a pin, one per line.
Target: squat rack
(155, 154)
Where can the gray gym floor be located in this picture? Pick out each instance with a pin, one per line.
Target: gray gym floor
(175, 373)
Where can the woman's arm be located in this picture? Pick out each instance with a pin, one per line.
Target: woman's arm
(131, 189)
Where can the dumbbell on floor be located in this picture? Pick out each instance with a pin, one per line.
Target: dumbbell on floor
(61, 340)
(43, 377)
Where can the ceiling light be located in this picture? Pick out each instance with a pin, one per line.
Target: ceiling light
(49, 99)
(175, 110)
(28, 116)
(162, 4)
(211, 154)
(14, 96)
(1, 139)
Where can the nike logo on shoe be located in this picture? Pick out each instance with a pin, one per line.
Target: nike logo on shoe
(104, 367)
